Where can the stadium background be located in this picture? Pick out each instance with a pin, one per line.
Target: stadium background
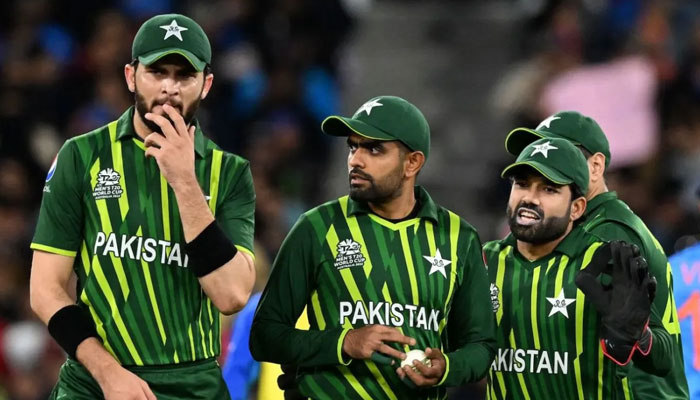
(476, 68)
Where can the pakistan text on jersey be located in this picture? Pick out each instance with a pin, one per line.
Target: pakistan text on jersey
(390, 314)
(140, 248)
(531, 361)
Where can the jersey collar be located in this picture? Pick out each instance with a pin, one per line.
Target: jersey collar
(125, 129)
(428, 209)
(598, 201)
(571, 245)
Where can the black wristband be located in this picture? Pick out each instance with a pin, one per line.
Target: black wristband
(71, 325)
(209, 250)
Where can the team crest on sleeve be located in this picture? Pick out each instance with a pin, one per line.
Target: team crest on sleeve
(108, 186)
(494, 297)
(349, 255)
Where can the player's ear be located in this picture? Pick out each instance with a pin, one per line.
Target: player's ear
(414, 162)
(208, 81)
(130, 77)
(578, 207)
(596, 167)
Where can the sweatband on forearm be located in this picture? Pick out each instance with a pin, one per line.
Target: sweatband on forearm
(69, 326)
(209, 250)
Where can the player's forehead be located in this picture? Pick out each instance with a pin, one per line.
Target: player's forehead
(531, 176)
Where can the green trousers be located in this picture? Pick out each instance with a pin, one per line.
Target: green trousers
(199, 380)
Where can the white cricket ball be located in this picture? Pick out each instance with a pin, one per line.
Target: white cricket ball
(415, 355)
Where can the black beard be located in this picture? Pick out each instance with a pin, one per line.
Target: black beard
(547, 229)
(142, 109)
(377, 193)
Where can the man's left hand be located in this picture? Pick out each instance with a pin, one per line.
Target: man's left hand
(426, 375)
(174, 149)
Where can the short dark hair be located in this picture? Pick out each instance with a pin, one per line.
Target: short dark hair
(585, 152)
(575, 191)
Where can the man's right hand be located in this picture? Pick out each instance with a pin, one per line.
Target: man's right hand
(121, 384)
(116, 382)
(372, 341)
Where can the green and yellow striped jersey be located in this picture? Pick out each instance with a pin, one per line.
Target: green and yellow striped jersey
(351, 268)
(548, 341)
(108, 206)
(611, 219)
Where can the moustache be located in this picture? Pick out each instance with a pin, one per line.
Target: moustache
(529, 206)
(359, 174)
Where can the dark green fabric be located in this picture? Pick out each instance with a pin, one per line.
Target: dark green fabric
(171, 34)
(384, 118)
(192, 381)
(323, 260)
(611, 219)
(570, 125)
(556, 159)
(538, 351)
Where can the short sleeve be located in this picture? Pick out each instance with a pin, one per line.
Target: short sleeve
(236, 213)
(60, 224)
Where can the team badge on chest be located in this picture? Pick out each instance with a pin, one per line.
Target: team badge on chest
(349, 255)
(107, 186)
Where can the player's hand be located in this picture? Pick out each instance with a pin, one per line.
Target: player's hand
(624, 305)
(426, 375)
(122, 384)
(174, 149)
(371, 342)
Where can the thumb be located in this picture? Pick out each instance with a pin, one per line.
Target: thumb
(191, 131)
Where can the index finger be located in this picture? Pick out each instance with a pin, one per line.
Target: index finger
(178, 120)
(166, 126)
(393, 335)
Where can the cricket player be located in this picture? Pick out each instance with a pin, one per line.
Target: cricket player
(611, 219)
(157, 223)
(566, 320)
(382, 271)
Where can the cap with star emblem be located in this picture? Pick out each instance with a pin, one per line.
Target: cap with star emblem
(384, 118)
(556, 159)
(171, 34)
(576, 127)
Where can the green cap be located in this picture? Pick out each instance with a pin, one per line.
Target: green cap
(384, 118)
(171, 34)
(570, 125)
(556, 159)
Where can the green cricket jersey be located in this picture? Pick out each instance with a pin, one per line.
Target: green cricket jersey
(108, 206)
(352, 268)
(609, 218)
(548, 341)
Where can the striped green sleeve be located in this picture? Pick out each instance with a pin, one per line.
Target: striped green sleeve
(471, 330)
(273, 337)
(236, 212)
(60, 224)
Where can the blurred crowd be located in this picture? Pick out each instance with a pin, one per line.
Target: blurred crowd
(633, 65)
(275, 65)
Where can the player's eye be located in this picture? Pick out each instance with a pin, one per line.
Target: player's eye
(352, 147)
(551, 189)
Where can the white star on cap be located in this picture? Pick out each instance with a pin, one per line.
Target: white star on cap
(368, 106)
(543, 148)
(437, 263)
(559, 304)
(173, 30)
(547, 122)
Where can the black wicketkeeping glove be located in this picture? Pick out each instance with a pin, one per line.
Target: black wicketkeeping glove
(287, 382)
(625, 304)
